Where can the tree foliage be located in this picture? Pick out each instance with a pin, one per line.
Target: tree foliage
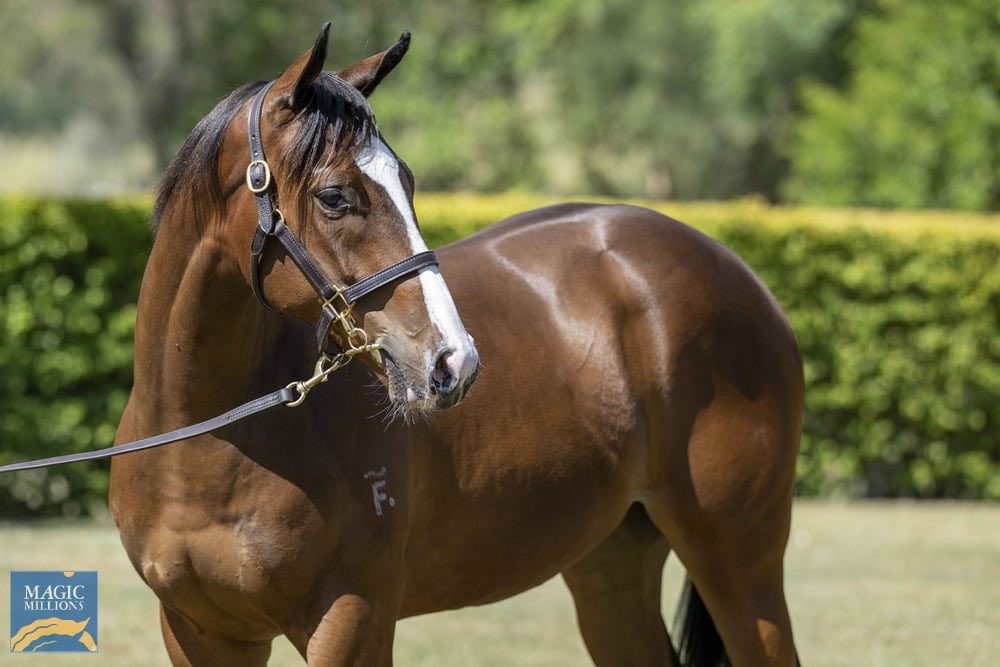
(918, 125)
(891, 102)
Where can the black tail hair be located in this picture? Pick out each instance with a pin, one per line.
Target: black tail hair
(698, 643)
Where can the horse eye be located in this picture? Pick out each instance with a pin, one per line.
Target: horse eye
(334, 200)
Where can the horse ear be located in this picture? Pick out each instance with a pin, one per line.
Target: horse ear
(296, 81)
(368, 73)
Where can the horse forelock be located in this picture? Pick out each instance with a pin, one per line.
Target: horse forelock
(333, 126)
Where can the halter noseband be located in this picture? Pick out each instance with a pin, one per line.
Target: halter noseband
(337, 301)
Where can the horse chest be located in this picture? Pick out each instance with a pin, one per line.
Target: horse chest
(231, 556)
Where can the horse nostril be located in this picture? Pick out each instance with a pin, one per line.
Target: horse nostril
(443, 381)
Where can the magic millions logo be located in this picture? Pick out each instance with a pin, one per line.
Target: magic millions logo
(53, 611)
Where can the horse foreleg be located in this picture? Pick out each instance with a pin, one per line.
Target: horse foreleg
(190, 646)
(351, 616)
(616, 590)
(353, 631)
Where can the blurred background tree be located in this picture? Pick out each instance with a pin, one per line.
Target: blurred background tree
(875, 102)
(918, 122)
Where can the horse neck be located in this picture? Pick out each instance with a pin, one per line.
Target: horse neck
(203, 344)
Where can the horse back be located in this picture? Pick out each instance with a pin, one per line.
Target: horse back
(656, 284)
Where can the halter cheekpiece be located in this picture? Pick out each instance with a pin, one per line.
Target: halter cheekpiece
(337, 302)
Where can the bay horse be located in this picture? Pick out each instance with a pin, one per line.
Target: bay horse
(640, 392)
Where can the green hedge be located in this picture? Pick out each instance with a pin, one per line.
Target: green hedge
(897, 316)
(69, 276)
(902, 355)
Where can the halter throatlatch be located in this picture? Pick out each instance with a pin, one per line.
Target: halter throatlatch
(338, 302)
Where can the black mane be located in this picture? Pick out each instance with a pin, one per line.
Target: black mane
(336, 116)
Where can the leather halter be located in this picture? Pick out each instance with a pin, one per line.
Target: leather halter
(337, 302)
(336, 310)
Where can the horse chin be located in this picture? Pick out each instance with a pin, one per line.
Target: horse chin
(406, 401)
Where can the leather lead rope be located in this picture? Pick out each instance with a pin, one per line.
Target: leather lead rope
(256, 406)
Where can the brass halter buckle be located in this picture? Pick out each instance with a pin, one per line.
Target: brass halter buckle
(357, 343)
(355, 336)
(267, 176)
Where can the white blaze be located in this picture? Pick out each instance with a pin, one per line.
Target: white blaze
(378, 163)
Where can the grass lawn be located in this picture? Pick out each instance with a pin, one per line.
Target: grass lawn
(893, 584)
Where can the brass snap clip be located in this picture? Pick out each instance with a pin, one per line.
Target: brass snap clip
(325, 365)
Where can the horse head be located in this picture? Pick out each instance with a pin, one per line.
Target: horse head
(337, 187)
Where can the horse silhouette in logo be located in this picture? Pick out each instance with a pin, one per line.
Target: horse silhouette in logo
(52, 633)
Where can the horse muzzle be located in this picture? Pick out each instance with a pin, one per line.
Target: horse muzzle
(441, 382)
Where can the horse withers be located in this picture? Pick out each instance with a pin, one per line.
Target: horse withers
(640, 393)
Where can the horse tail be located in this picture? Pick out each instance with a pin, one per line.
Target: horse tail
(698, 643)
